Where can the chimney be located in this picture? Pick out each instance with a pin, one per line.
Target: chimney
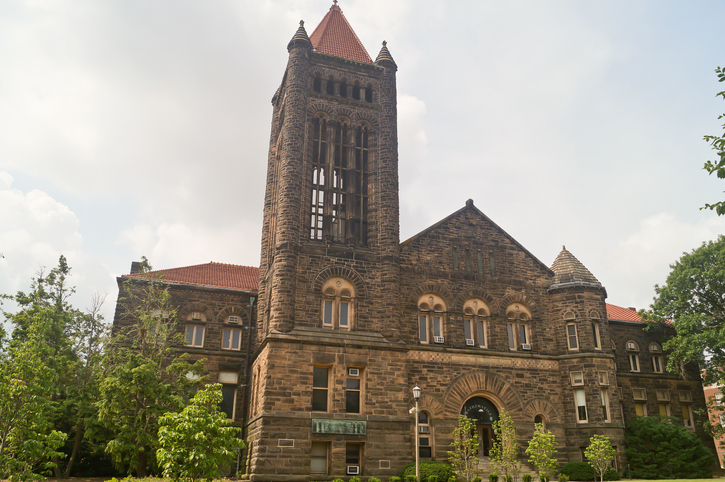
(136, 267)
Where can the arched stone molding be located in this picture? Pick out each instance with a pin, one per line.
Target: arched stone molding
(340, 112)
(315, 108)
(184, 312)
(566, 314)
(342, 272)
(431, 287)
(466, 295)
(486, 384)
(543, 407)
(367, 118)
(520, 297)
(240, 311)
(428, 403)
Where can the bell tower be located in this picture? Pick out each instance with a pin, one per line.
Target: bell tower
(331, 202)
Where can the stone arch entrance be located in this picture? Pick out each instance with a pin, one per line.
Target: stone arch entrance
(484, 413)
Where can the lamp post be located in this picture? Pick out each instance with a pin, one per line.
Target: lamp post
(416, 397)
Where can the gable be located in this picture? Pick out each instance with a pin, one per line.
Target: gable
(469, 241)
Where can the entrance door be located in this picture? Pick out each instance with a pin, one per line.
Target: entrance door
(485, 439)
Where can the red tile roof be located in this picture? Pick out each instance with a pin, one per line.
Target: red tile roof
(219, 275)
(618, 313)
(334, 36)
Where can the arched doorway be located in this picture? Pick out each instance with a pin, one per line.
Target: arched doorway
(483, 412)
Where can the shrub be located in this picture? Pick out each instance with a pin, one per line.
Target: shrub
(354, 479)
(338, 480)
(394, 478)
(563, 478)
(492, 478)
(584, 471)
(477, 479)
(427, 468)
(433, 478)
(526, 478)
(373, 479)
(411, 478)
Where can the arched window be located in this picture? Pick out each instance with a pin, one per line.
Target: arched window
(425, 436)
(430, 318)
(340, 166)
(518, 327)
(317, 84)
(194, 330)
(232, 333)
(633, 355)
(330, 86)
(475, 322)
(337, 304)
(594, 316)
(658, 365)
(540, 419)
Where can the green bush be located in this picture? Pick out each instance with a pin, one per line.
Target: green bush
(411, 478)
(373, 479)
(477, 479)
(563, 478)
(427, 468)
(492, 477)
(394, 478)
(526, 478)
(338, 480)
(433, 478)
(584, 471)
(354, 479)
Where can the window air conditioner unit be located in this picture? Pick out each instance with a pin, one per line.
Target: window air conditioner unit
(438, 339)
(526, 346)
(234, 319)
(196, 316)
(423, 429)
(654, 348)
(469, 342)
(353, 469)
(353, 372)
(631, 346)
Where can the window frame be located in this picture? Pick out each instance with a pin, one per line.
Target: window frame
(475, 320)
(427, 435)
(232, 331)
(596, 335)
(229, 381)
(326, 388)
(352, 390)
(574, 375)
(325, 445)
(195, 327)
(569, 337)
(688, 407)
(431, 312)
(337, 293)
(634, 365)
(658, 364)
(606, 406)
(518, 321)
(580, 396)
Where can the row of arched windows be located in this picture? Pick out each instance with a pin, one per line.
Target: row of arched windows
(341, 88)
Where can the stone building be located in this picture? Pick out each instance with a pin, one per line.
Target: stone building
(348, 319)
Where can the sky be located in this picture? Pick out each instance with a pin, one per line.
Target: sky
(134, 128)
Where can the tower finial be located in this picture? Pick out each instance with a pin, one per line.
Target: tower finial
(302, 23)
(334, 2)
(385, 43)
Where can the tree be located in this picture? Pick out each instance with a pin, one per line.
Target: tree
(658, 449)
(693, 300)
(28, 443)
(197, 441)
(600, 454)
(718, 145)
(504, 450)
(464, 456)
(144, 376)
(72, 342)
(541, 450)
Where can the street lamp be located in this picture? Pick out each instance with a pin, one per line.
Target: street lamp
(416, 397)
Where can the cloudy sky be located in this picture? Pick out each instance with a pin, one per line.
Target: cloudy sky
(132, 128)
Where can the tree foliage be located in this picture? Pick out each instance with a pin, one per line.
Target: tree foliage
(658, 449)
(505, 448)
(600, 454)
(197, 441)
(464, 454)
(541, 451)
(718, 145)
(144, 376)
(693, 298)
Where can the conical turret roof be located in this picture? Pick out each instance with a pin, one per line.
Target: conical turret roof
(569, 271)
(334, 36)
(384, 55)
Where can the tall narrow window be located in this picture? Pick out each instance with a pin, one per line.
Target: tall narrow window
(605, 404)
(337, 304)
(360, 182)
(595, 335)
(229, 382)
(352, 395)
(319, 457)
(339, 182)
(687, 417)
(320, 381)
(581, 405)
(353, 458)
(195, 335)
(425, 449)
(518, 327)
(571, 337)
(319, 160)
(633, 362)
(657, 366)
(231, 338)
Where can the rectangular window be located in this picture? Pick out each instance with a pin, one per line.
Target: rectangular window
(344, 310)
(577, 378)
(595, 332)
(320, 383)
(194, 335)
(423, 328)
(523, 338)
(481, 326)
(687, 417)
(468, 329)
(571, 337)
(424, 449)
(633, 362)
(657, 364)
(639, 394)
(352, 395)
(319, 457)
(605, 404)
(512, 338)
(327, 315)
(685, 396)
(640, 409)
(437, 327)
(663, 395)
(581, 405)
(664, 409)
(229, 398)
(353, 455)
(603, 378)
(231, 338)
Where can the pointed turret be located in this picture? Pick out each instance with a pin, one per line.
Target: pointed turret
(300, 37)
(334, 36)
(569, 271)
(384, 58)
